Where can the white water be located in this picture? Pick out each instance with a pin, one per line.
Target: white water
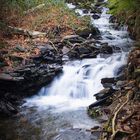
(78, 83)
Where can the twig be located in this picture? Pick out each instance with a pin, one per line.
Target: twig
(33, 34)
(114, 132)
(53, 46)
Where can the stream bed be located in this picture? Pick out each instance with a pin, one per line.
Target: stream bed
(59, 110)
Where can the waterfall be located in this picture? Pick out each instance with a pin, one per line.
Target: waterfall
(81, 79)
(78, 83)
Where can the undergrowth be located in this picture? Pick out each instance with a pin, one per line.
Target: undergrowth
(54, 17)
(127, 12)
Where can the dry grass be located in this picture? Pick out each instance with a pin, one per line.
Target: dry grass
(54, 20)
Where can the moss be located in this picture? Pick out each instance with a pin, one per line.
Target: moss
(94, 113)
(127, 12)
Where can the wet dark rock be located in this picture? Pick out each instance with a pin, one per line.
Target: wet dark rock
(105, 101)
(112, 19)
(16, 58)
(108, 80)
(45, 48)
(85, 11)
(121, 70)
(107, 92)
(106, 49)
(73, 54)
(110, 37)
(3, 52)
(94, 31)
(116, 49)
(90, 55)
(82, 50)
(7, 108)
(95, 16)
(48, 58)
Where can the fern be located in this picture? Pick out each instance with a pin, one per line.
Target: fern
(118, 6)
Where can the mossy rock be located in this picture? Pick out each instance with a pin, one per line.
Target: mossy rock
(85, 32)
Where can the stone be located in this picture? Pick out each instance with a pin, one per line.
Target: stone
(102, 102)
(110, 37)
(120, 83)
(19, 48)
(95, 16)
(48, 58)
(83, 50)
(112, 19)
(88, 31)
(46, 48)
(95, 31)
(65, 50)
(108, 80)
(120, 70)
(4, 76)
(106, 49)
(3, 52)
(85, 11)
(73, 39)
(89, 55)
(104, 93)
(16, 58)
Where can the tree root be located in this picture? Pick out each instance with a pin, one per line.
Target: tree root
(53, 46)
(114, 131)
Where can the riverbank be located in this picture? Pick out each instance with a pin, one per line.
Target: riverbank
(120, 104)
(119, 100)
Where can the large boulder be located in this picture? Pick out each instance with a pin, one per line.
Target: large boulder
(86, 32)
(106, 49)
(104, 93)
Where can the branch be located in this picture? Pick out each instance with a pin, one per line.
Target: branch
(33, 34)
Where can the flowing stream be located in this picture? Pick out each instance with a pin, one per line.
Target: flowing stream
(58, 111)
